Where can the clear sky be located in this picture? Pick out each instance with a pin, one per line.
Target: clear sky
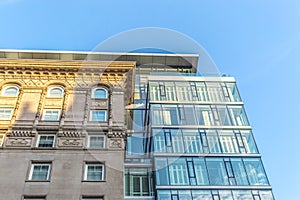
(256, 41)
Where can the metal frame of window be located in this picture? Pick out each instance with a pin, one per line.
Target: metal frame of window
(98, 136)
(87, 164)
(45, 135)
(40, 164)
(4, 90)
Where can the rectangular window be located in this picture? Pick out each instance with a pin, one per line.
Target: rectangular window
(178, 172)
(255, 171)
(228, 142)
(5, 113)
(1, 139)
(138, 182)
(96, 142)
(238, 116)
(40, 172)
(204, 115)
(92, 198)
(216, 171)
(170, 114)
(51, 115)
(192, 141)
(46, 141)
(156, 115)
(94, 172)
(34, 198)
(98, 115)
(215, 92)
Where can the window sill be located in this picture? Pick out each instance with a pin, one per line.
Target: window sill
(38, 181)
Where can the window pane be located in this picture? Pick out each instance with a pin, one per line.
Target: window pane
(156, 115)
(215, 92)
(266, 195)
(5, 113)
(201, 173)
(183, 91)
(161, 170)
(239, 171)
(99, 93)
(96, 142)
(224, 116)
(190, 118)
(99, 116)
(216, 171)
(255, 171)
(135, 143)
(56, 92)
(159, 140)
(238, 116)
(213, 142)
(191, 141)
(163, 195)
(202, 92)
(201, 195)
(170, 91)
(46, 141)
(228, 142)
(233, 92)
(185, 195)
(225, 195)
(51, 115)
(94, 172)
(170, 114)
(178, 172)
(249, 142)
(11, 91)
(204, 115)
(154, 91)
(242, 195)
(177, 142)
(40, 172)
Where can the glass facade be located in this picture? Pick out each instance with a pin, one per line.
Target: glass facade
(198, 140)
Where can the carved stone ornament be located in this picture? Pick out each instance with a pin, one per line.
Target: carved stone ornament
(66, 142)
(116, 134)
(21, 133)
(18, 142)
(115, 143)
(70, 133)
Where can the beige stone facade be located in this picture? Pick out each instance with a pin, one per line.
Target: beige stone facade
(62, 127)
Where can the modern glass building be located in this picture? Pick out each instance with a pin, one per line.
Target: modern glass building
(190, 139)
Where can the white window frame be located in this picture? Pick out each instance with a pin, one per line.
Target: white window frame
(100, 88)
(89, 141)
(39, 139)
(39, 164)
(2, 136)
(105, 115)
(86, 170)
(55, 87)
(44, 113)
(10, 115)
(7, 87)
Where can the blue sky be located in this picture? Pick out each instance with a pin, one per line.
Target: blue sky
(256, 41)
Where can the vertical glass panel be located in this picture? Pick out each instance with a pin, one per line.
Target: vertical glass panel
(200, 170)
(138, 120)
(204, 115)
(266, 195)
(156, 115)
(225, 195)
(191, 141)
(201, 195)
(184, 194)
(135, 144)
(216, 171)
(202, 92)
(170, 91)
(238, 116)
(183, 91)
(215, 92)
(224, 116)
(154, 91)
(239, 171)
(228, 142)
(255, 171)
(249, 142)
(170, 114)
(233, 92)
(242, 195)
(190, 115)
(177, 141)
(213, 142)
(161, 171)
(178, 171)
(159, 140)
(163, 195)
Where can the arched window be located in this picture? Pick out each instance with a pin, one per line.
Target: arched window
(55, 92)
(10, 91)
(99, 93)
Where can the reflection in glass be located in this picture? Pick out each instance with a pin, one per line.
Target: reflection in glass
(216, 171)
(255, 171)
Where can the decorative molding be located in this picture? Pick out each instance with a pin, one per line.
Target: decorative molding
(116, 134)
(68, 142)
(21, 133)
(115, 143)
(18, 142)
(70, 134)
